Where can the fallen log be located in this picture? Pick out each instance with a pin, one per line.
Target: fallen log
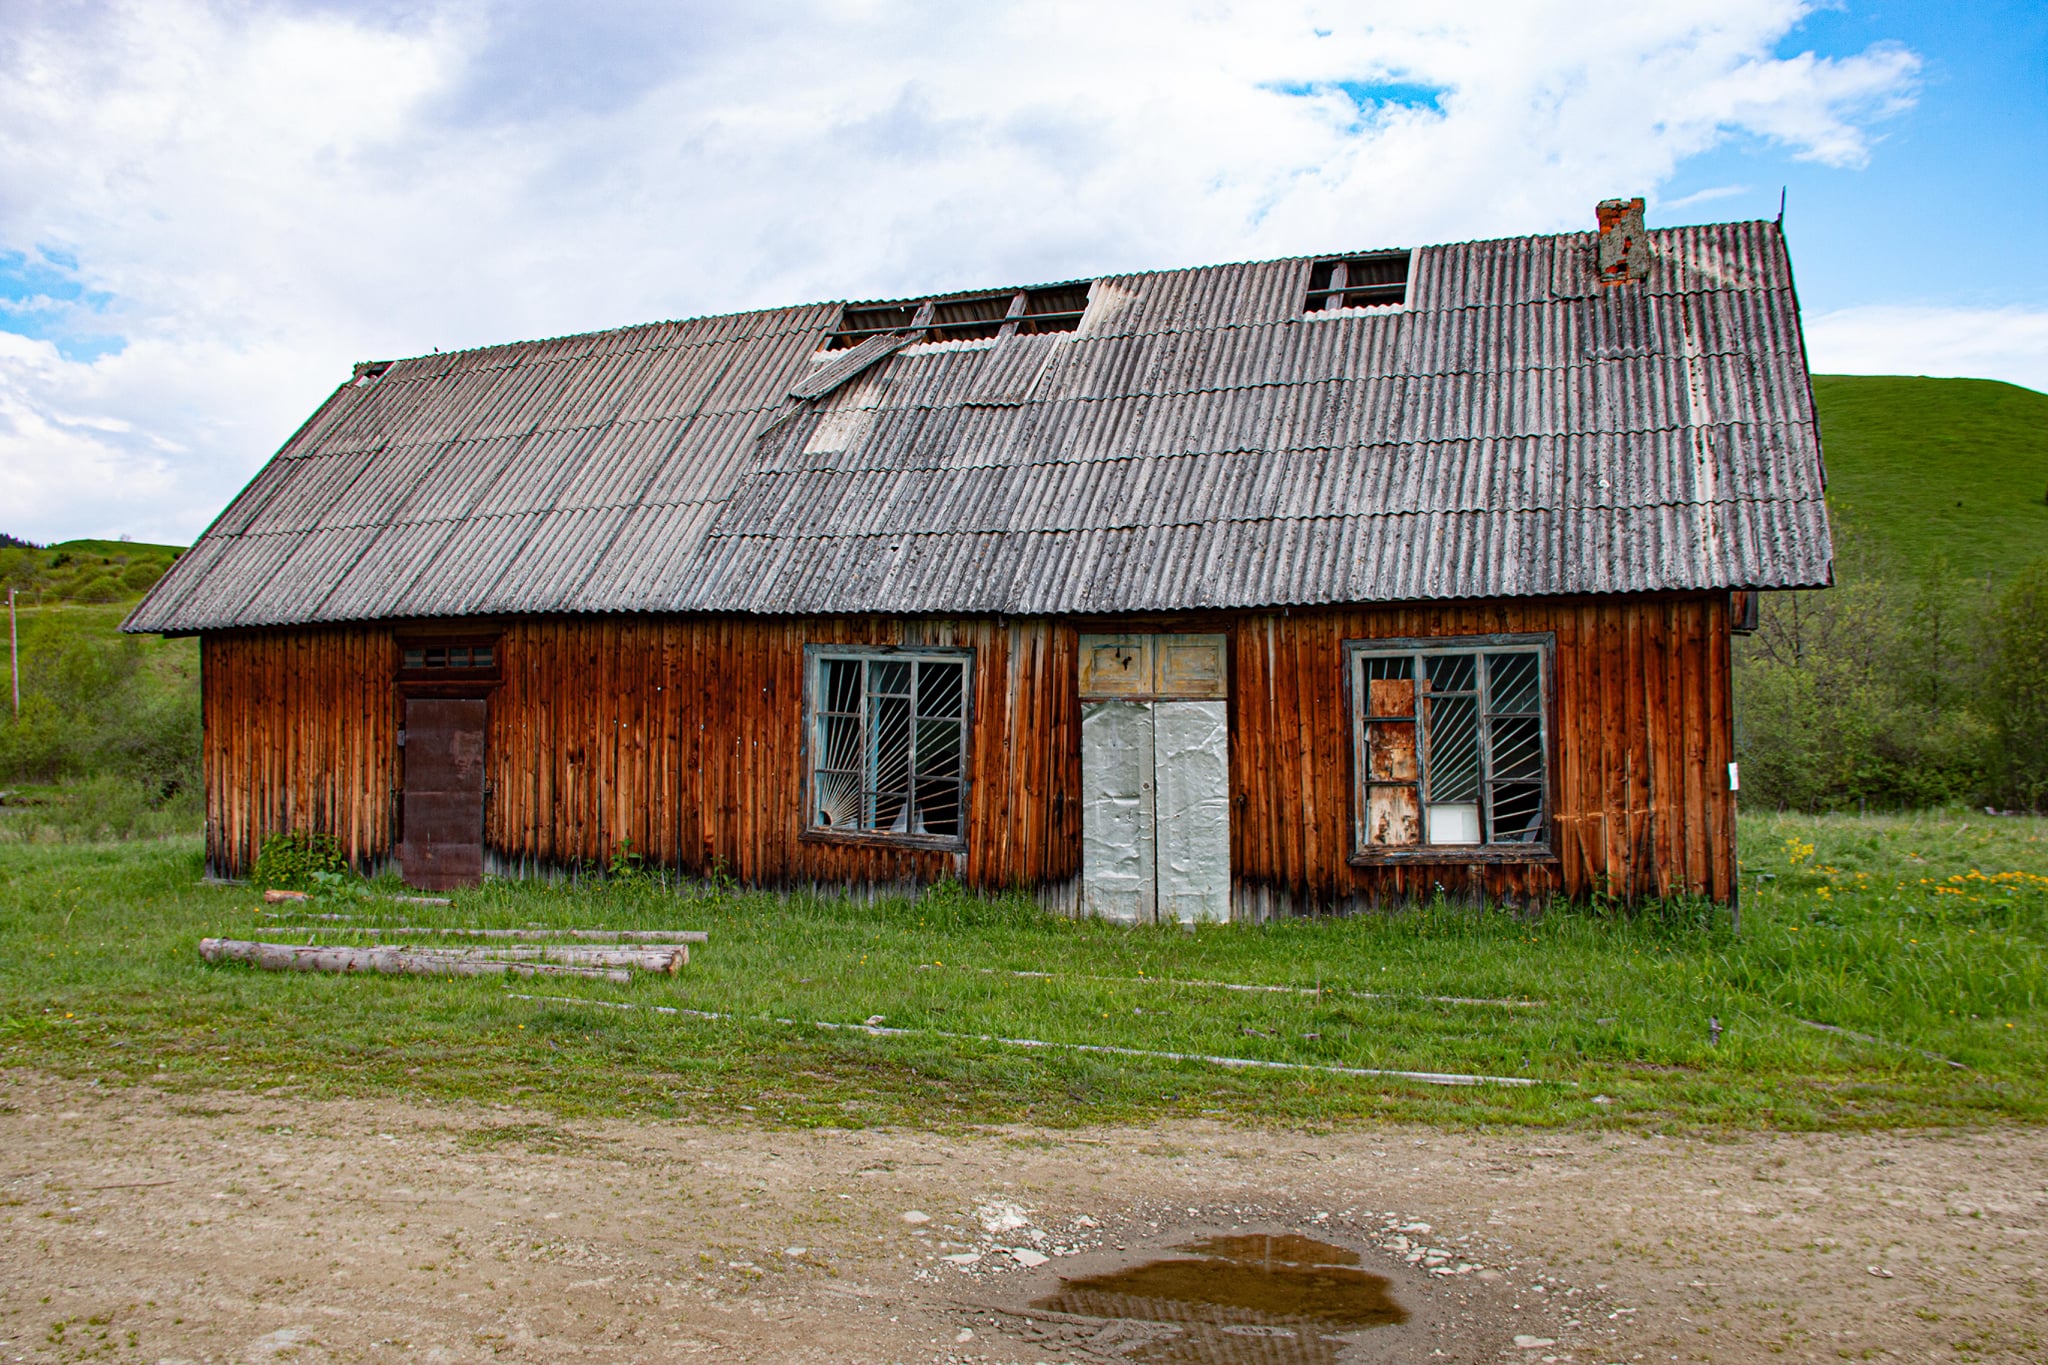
(662, 936)
(668, 958)
(392, 961)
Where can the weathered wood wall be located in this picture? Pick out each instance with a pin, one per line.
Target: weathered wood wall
(684, 736)
(301, 733)
(1642, 739)
(680, 735)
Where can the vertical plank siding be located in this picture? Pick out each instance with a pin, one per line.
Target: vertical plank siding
(682, 738)
(1641, 742)
(301, 733)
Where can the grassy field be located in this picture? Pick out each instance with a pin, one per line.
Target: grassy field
(1924, 933)
(1955, 467)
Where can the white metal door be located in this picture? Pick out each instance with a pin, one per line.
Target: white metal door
(1191, 779)
(1155, 775)
(1117, 881)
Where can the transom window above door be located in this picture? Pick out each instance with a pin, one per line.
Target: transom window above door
(888, 736)
(1451, 741)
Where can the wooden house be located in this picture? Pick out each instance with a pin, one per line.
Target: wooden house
(1291, 586)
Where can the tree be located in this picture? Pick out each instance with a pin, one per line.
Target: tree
(2015, 692)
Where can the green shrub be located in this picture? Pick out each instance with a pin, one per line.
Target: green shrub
(300, 860)
(2015, 689)
(141, 577)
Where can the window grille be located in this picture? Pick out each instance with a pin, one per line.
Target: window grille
(889, 743)
(1358, 282)
(1452, 745)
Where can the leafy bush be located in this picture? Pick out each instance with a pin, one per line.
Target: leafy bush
(141, 577)
(300, 860)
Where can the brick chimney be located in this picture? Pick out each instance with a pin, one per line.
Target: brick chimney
(1624, 242)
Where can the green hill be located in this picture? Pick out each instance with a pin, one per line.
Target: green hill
(84, 571)
(1919, 467)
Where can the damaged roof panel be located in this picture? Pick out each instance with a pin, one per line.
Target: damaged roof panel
(1198, 439)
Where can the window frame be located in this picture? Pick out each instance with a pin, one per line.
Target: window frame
(815, 656)
(1334, 293)
(442, 680)
(1542, 644)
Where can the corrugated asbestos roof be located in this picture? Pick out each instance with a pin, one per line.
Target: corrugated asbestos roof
(1514, 429)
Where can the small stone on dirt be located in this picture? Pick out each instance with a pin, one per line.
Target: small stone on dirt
(1525, 1342)
(1026, 1257)
(1001, 1216)
(916, 1216)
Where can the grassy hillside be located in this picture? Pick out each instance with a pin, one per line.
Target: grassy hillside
(102, 572)
(1919, 467)
(107, 740)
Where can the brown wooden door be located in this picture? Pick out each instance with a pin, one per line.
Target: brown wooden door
(444, 793)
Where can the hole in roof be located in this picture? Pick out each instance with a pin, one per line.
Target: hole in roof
(858, 324)
(1371, 281)
(967, 317)
(970, 319)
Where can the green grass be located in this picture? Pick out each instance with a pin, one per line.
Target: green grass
(1876, 925)
(1925, 467)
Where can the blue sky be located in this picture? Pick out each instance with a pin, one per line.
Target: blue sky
(1952, 206)
(209, 209)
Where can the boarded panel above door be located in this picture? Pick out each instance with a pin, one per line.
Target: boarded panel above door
(1153, 667)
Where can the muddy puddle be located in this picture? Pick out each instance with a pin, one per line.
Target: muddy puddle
(1273, 1299)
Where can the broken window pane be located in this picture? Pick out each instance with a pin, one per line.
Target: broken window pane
(842, 686)
(1517, 747)
(1517, 813)
(1511, 684)
(1453, 752)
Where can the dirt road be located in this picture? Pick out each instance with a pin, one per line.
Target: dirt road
(139, 1226)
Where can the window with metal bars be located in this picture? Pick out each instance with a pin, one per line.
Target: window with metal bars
(1358, 282)
(888, 743)
(967, 317)
(1452, 742)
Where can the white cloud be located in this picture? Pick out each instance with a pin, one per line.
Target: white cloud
(258, 198)
(1957, 343)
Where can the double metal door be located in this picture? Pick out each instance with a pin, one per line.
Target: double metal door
(1155, 773)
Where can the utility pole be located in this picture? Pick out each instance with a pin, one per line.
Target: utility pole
(14, 652)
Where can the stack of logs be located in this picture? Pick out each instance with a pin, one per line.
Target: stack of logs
(606, 954)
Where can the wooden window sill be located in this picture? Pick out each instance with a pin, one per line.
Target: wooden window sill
(929, 843)
(1455, 854)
